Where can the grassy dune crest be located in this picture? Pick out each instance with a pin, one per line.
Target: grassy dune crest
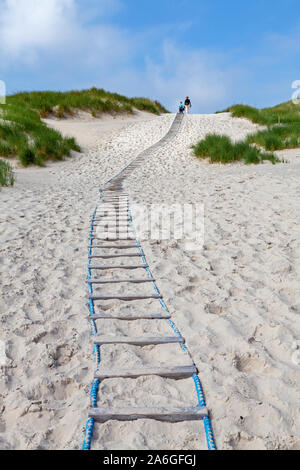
(282, 131)
(282, 125)
(96, 101)
(23, 133)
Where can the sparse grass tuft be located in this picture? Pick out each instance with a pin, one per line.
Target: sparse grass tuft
(220, 149)
(6, 174)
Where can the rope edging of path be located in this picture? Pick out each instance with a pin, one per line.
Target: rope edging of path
(97, 355)
(199, 389)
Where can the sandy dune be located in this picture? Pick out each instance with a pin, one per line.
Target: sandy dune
(237, 302)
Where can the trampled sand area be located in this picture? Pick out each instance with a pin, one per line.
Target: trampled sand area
(237, 301)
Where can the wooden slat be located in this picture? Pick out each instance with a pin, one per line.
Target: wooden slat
(136, 255)
(111, 223)
(112, 207)
(119, 281)
(141, 266)
(177, 415)
(125, 297)
(133, 317)
(109, 239)
(114, 215)
(180, 372)
(140, 341)
(114, 247)
(118, 218)
(111, 227)
(117, 207)
(111, 231)
(108, 228)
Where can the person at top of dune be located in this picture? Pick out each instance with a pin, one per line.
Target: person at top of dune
(181, 107)
(188, 105)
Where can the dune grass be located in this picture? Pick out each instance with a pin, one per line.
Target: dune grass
(287, 113)
(220, 149)
(282, 122)
(23, 134)
(96, 101)
(277, 137)
(6, 174)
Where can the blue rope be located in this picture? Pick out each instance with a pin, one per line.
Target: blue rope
(88, 434)
(89, 429)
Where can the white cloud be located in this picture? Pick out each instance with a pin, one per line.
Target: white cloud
(29, 29)
(74, 38)
(33, 24)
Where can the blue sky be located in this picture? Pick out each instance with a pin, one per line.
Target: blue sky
(218, 52)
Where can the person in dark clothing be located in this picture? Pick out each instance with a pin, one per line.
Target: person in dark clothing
(188, 105)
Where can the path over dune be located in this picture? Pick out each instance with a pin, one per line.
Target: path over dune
(115, 203)
(236, 303)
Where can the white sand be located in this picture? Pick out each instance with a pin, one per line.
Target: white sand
(236, 302)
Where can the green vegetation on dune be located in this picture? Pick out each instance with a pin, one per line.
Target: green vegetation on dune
(220, 149)
(278, 137)
(23, 133)
(282, 131)
(6, 174)
(287, 113)
(282, 121)
(96, 101)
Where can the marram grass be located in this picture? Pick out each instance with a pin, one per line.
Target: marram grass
(96, 101)
(282, 125)
(25, 135)
(220, 149)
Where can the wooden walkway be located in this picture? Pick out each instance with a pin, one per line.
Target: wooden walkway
(112, 230)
